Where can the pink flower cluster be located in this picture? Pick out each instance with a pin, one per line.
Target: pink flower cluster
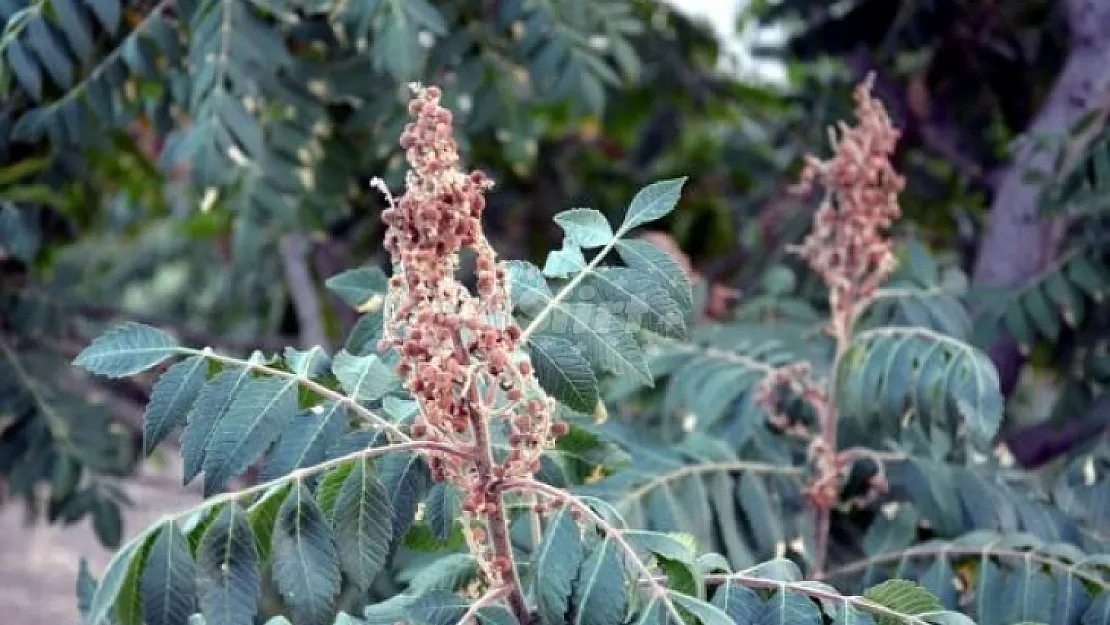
(847, 246)
(459, 350)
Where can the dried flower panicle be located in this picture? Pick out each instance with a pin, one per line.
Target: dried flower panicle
(848, 246)
(459, 350)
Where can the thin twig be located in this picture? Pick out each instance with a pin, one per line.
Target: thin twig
(490, 597)
(300, 474)
(293, 249)
(930, 551)
(694, 469)
(306, 382)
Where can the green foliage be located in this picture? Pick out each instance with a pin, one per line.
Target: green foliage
(279, 112)
(351, 500)
(887, 372)
(585, 327)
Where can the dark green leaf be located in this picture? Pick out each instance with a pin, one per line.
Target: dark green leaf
(902, 596)
(170, 400)
(305, 559)
(227, 570)
(169, 587)
(652, 202)
(126, 350)
(363, 530)
(555, 566)
(599, 594)
(587, 228)
(563, 372)
(306, 440)
(260, 411)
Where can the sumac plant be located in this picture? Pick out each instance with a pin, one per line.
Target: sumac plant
(494, 443)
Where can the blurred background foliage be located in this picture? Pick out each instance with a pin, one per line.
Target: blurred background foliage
(204, 165)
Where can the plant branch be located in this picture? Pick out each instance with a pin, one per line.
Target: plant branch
(490, 597)
(495, 505)
(932, 551)
(294, 249)
(567, 289)
(695, 469)
(814, 591)
(300, 474)
(306, 382)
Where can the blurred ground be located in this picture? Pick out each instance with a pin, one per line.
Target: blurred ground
(38, 564)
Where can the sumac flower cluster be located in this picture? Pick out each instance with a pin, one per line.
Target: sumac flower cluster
(460, 351)
(847, 245)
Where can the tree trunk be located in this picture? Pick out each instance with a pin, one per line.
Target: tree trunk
(1018, 244)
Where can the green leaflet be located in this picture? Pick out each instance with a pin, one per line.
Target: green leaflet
(555, 565)
(847, 614)
(779, 569)
(706, 613)
(446, 608)
(86, 588)
(635, 297)
(449, 572)
(127, 349)
(364, 377)
(25, 69)
(649, 259)
(103, 601)
(652, 202)
(107, 13)
(939, 580)
(210, 407)
(564, 372)
(309, 363)
(764, 517)
(599, 595)
(364, 336)
(306, 440)
(357, 286)
(361, 518)
(169, 587)
(1099, 612)
(740, 603)
(129, 603)
(902, 596)
(107, 522)
(305, 558)
(601, 338)
(585, 227)
(262, 515)
(406, 479)
(172, 397)
(1071, 600)
(1027, 595)
(565, 262)
(788, 608)
(944, 380)
(260, 411)
(442, 508)
(228, 570)
(327, 492)
(51, 52)
(891, 533)
(666, 545)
